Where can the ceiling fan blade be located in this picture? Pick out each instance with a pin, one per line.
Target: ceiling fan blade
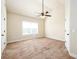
(44, 13)
(48, 15)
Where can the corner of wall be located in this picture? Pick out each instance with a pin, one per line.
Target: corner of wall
(73, 55)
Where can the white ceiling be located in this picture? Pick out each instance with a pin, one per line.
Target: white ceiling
(32, 7)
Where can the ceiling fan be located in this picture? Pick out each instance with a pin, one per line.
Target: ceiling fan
(44, 13)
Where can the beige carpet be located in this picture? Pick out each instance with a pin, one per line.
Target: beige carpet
(42, 48)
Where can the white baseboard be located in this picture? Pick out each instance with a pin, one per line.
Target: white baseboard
(17, 40)
(55, 39)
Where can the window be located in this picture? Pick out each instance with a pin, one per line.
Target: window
(29, 28)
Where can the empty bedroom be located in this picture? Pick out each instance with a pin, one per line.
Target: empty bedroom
(38, 29)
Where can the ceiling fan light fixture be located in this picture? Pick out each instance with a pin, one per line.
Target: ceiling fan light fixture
(42, 14)
(42, 17)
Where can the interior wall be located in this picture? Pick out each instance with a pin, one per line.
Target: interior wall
(54, 26)
(73, 28)
(15, 27)
(71, 18)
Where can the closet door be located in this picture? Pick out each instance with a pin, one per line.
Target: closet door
(3, 25)
(67, 24)
(67, 34)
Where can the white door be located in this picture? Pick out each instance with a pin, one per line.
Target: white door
(3, 34)
(67, 34)
(3, 25)
(67, 24)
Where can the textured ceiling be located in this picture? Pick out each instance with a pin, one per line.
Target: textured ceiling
(32, 7)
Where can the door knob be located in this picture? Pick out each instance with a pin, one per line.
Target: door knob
(2, 34)
(67, 34)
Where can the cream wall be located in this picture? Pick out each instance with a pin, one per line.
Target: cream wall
(15, 27)
(54, 26)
